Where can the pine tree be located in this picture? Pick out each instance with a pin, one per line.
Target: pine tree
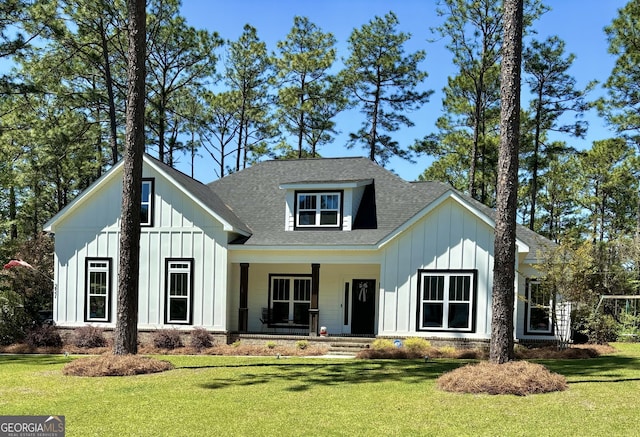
(622, 106)
(180, 59)
(384, 83)
(248, 74)
(126, 332)
(555, 94)
(501, 345)
(307, 97)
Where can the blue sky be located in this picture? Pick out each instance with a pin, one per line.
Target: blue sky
(580, 23)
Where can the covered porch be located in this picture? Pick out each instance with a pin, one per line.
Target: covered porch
(304, 299)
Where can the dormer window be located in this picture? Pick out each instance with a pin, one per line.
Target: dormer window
(318, 209)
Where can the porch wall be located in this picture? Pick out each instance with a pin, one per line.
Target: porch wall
(331, 292)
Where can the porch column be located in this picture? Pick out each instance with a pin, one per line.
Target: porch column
(243, 314)
(314, 311)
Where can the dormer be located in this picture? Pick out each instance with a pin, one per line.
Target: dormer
(317, 205)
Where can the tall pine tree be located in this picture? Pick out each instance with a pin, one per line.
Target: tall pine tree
(385, 83)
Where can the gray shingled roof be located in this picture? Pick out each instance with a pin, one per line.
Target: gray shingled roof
(255, 197)
(203, 194)
(253, 202)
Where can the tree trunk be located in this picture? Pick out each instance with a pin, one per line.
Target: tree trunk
(13, 228)
(637, 233)
(477, 113)
(534, 166)
(501, 347)
(373, 139)
(241, 123)
(301, 127)
(113, 124)
(126, 333)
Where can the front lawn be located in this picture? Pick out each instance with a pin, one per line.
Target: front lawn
(266, 396)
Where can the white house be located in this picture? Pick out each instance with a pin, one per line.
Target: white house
(288, 246)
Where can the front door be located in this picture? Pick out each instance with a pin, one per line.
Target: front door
(363, 307)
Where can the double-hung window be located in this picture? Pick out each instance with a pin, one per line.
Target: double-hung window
(318, 209)
(179, 291)
(539, 304)
(98, 290)
(446, 300)
(290, 299)
(146, 203)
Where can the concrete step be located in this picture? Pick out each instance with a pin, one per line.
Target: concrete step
(347, 347)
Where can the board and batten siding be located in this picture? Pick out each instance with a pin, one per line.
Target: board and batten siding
(182, 229)
(448, 238)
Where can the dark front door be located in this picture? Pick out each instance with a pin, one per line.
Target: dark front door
(363, 308)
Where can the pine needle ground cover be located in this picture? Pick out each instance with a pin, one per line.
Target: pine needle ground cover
(266, 396)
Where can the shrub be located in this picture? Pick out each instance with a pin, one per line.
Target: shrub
(382, 343)
(447, 351)
(14, 321)
(89, 337)
(628, 328)
(601, 328)
(302, 344)
(270, 344)
(44, 336)
(236, 343)
(167, 339)
(417, 345)
(200, 339)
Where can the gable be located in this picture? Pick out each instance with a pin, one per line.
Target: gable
(179, 201)
(464, 207)
(94, 207)
(448, 237)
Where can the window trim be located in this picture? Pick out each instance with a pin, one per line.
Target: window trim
(292, 276)
(167, 297)
(317, 194)
(151, 203)
(87, 293)
(528, 307)
(473, 273)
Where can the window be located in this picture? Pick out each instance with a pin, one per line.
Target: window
(445, 300)
(290, 299)
(539, 305)
(179, 291)
(98, 290)
(146, 203)
(319, 210)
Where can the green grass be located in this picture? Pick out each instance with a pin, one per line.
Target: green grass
(228, 396)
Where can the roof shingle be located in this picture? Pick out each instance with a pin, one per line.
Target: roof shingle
(255, 197)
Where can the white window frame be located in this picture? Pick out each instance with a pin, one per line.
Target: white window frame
(548, 306)
(292, 299)
(148, 203)
(446, 301)
(318, 210)
(101, 266)
(179, 267)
